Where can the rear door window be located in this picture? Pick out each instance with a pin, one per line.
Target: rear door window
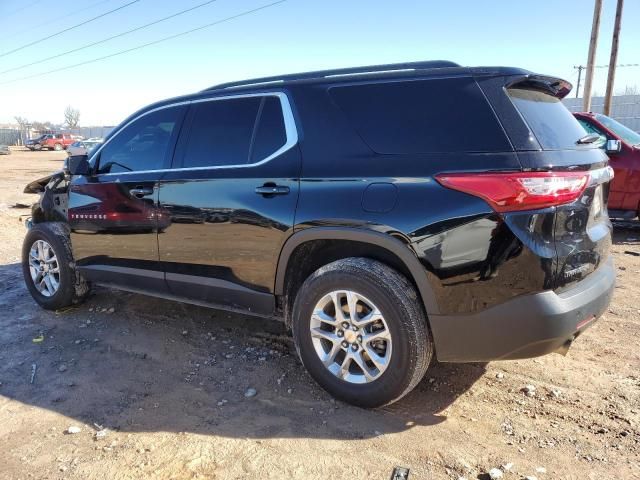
(235, 131)
(549, 120)
(422, 116)
(270, 134)
(221, 132)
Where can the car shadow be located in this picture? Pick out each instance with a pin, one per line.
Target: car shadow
(155, 365)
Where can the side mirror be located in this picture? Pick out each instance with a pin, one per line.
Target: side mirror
(613, 146)
(77, 165)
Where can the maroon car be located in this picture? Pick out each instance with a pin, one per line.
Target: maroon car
(624, 196)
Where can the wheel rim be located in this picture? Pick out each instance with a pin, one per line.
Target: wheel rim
(44, 268)
(350, 336)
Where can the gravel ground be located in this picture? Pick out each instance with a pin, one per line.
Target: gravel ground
(130, 387)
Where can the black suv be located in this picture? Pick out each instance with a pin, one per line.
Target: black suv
(385, 213)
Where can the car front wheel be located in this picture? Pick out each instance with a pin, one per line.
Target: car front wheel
(361, 332)
(48, 268)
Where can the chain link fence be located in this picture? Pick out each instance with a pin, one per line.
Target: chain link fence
(15, 136)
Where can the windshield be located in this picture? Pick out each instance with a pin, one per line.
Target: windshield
(625, 133)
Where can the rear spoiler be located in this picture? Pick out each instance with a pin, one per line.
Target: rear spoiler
(553, 86)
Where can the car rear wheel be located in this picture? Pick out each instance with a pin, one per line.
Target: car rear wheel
(361, 332)
(57, 147)
(48, 267)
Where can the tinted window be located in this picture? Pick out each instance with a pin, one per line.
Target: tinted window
(549, 120)
(143, 145)
(425, 116)
(270, 133)
(221, 132)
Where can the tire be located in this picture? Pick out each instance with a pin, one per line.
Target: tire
(57, 147)
(410, 348)
(71, 287)
(37, 147)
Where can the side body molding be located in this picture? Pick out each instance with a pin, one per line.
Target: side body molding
(393, 245)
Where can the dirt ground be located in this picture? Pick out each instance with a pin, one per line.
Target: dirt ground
(164, 385)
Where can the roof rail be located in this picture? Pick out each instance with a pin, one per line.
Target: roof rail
(371, 69)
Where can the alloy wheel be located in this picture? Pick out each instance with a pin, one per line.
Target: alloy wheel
(350, 336)
(44, 268)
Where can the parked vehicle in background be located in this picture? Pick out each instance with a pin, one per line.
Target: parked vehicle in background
(428, 209)
(4, 150)
(624, 194)
(50, 141)
(34, 143)
(83, 147)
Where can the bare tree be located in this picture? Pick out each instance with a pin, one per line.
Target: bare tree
(631, 90)
(71, 117)
(21, 121)
(22, 125)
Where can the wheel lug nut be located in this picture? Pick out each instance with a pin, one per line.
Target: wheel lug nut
(345, 344)
(340, 333)
(354, 347)
(354, 328)
(345, 325)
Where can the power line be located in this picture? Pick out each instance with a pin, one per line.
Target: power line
(48, 22)
(155, 42)
(93, 44)
(619, 65)
(67, 29)
(607, 66)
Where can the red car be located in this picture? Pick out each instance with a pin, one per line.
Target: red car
(624, 196)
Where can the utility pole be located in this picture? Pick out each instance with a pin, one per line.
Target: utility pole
(614, 58)
(579, 68)
(593, 44)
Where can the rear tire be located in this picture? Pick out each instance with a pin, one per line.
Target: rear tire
(46, 252)
(379, 371)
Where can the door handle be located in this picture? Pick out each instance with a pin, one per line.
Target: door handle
(139, 192)
(272, 190)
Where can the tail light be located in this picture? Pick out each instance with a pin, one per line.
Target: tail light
(514, 191)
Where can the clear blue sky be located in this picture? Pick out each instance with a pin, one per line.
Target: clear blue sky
(546, 36)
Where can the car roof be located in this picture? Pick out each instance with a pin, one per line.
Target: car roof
(425, 68)
(405, 70)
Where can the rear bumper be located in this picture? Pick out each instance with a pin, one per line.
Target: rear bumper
(526, 326)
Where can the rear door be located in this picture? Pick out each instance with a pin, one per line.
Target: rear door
(114, 214)
(230, 200)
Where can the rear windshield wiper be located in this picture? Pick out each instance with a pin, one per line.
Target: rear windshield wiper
(590, 138)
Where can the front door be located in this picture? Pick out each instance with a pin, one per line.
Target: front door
(231, 200)
(114, 214)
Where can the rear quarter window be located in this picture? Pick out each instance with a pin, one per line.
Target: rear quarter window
(422, 116)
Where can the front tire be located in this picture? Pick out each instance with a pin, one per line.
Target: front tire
(361, 332)
(48, 267)
(57, 147)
